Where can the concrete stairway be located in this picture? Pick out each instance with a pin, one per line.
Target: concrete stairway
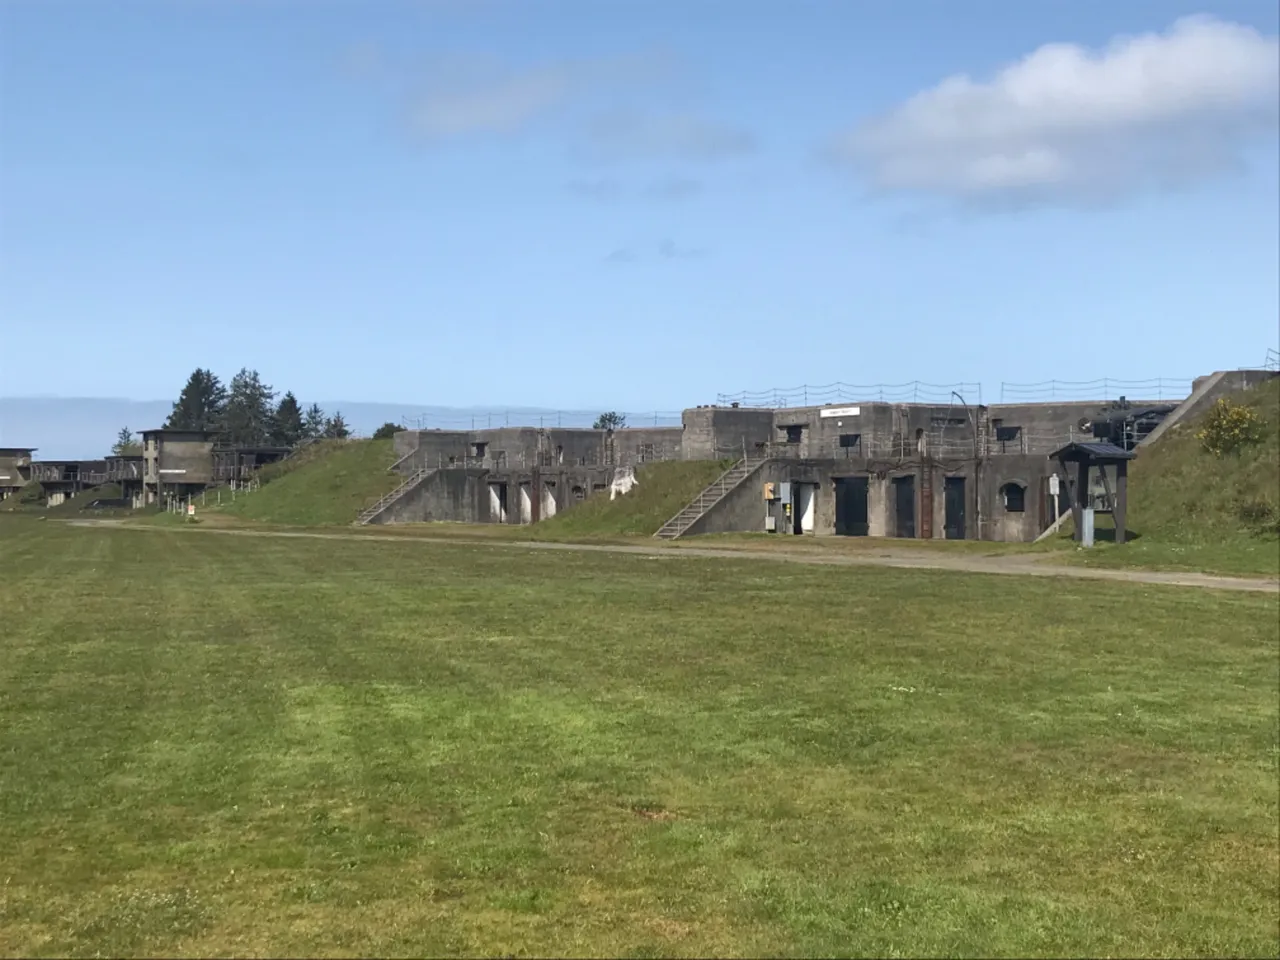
(708, 498)
(386, 501)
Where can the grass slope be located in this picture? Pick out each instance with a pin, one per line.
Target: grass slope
(222, 745)
(72, 505)
(328, 483)
(1192, 510)
(662, 491)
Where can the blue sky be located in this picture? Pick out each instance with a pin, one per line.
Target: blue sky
(632, 205)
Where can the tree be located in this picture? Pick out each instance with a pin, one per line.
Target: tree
(335, 428)
(289, 426)
(313, 423)
(612, 420)
(201, 404)
(249, 416)
(386, 431)
(126, 444)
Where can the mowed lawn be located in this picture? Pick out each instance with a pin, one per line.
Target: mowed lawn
(215, 744)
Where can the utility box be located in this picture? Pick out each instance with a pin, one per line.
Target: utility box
(770, 524)
(784, 492)
(770, 491)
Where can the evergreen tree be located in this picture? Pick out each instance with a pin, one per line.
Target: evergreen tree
(610, 421)
(200, 405)
(126, 444)
(289, 426)
(313, 423)
(249, 416)
(335, 427)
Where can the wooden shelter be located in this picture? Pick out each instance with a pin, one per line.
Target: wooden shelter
(1101, 455)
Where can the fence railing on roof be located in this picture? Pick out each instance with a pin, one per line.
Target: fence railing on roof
(1273, 360)
(811, 396)
(545, 419)
(1047, 391)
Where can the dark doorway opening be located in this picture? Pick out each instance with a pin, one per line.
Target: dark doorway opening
(953, 495)
(851, 507)
(904, 499)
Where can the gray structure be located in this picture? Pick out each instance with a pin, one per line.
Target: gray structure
(15, 469)
(931, 471)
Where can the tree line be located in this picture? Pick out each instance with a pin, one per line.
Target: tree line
(243, 413)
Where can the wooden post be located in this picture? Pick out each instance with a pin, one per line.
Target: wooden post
(1077, 518)
(1081, 497)
(1122, 498)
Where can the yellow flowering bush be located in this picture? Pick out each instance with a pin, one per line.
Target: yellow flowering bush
(1229, 427)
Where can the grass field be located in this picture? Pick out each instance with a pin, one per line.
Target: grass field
(231, 745)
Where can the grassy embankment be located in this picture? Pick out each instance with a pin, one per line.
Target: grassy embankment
(1191, 510)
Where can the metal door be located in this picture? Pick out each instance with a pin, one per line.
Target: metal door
(851, 507)
(953, 496)
(904, 498)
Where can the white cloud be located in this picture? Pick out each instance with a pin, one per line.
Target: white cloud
(470, 97)
(628, 135)
(474, 95)
(1066, 123)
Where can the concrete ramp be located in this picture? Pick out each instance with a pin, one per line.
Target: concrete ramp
(1207, 391)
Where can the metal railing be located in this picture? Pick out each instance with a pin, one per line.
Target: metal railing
(1047, 391)
(541, 419)
(809, 396)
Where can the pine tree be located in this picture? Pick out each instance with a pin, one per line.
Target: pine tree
(612, 420)
(313, 423)
(126, 444)
(200, 405)
(249, 417)
(336, 428)
(289, 427)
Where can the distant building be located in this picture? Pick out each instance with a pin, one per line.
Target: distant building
(15, 469)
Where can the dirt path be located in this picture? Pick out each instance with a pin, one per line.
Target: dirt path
(1022, 565)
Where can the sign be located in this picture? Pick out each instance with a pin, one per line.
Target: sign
(1053, 484)
(191, 509)
(827, 412)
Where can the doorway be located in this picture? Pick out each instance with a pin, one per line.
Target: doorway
(904, 499)
(851, 507)
(953, 497)
(805, 508)
(497, 503)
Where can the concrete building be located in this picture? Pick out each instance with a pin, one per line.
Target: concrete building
(175, 463)
(15, 469)
(914, 470)
(62, 479)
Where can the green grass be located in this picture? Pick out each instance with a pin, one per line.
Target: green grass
(77, 503)
(663, 490)
(219, 745)
(329, 483)
(1193, 511)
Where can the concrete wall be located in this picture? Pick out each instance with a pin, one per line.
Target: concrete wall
(744, 509)
(465, 494)
(514, 448)
(718, 433)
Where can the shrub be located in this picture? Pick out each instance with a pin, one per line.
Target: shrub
(386, 431)
(1260, 515)
(1229, 428)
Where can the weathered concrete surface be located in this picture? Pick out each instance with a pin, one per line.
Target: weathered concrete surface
(913, 558)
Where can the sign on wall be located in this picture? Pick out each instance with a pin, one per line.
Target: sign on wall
(826, 412)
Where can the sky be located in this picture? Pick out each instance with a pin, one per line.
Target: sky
(633, 204)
